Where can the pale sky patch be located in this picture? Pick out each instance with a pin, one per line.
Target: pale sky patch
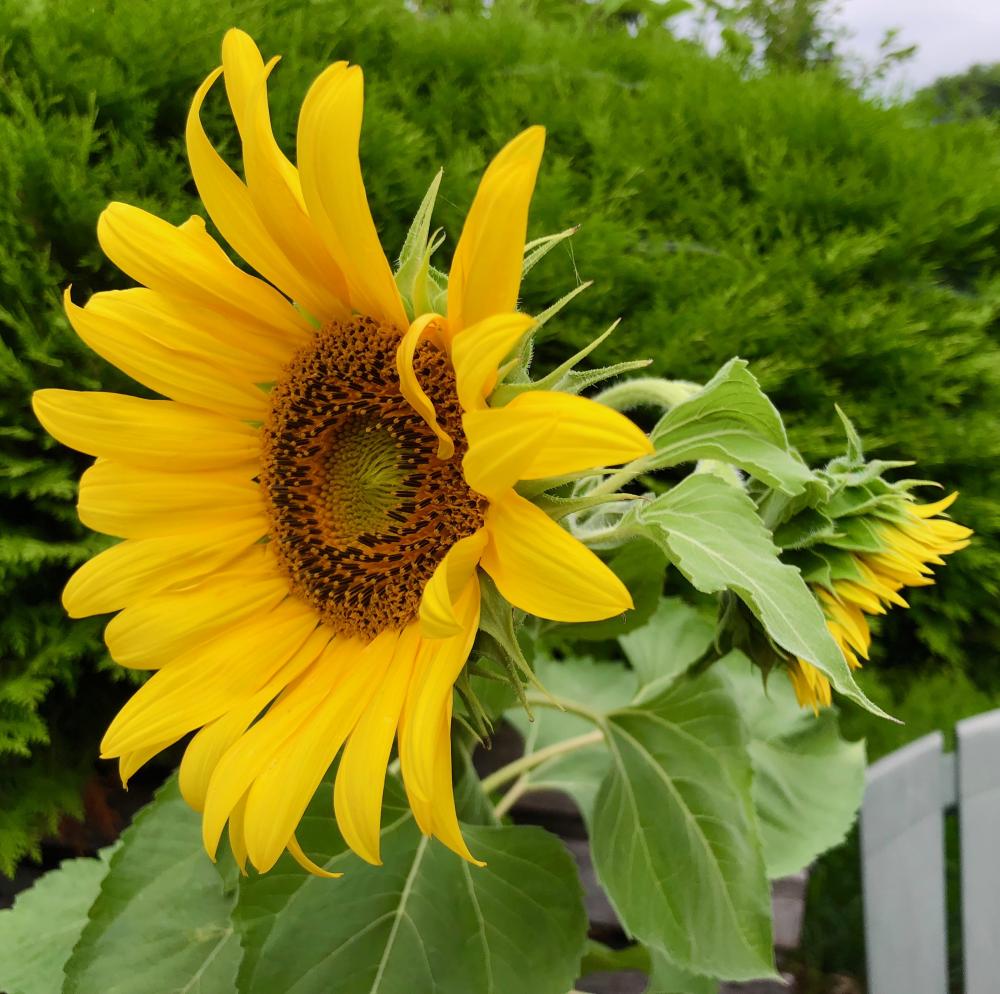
(950, 36)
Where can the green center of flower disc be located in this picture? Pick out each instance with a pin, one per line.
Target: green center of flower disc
(365, 478)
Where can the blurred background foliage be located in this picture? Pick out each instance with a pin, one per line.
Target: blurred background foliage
(754, 203)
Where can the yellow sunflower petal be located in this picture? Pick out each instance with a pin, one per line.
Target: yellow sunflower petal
(446, 827)
(186, 261)
(207, 747)
(329, 130)
(231, 207)
(851, 620)
(438, 616)
(543, 570)
(855, 593)
(812, 688)
(357, 792)
(884, 587)
(151, 433)
(275, 188)
(206, 682)
(486, 269)
(137, 568)
(183, 376)
(237, 839)
(243, 66)
(149, 634)
(142, 503)
(131, 762)
(246, 757)
(913, 546)
(236, 346)
(477, 352)
(430, 693)
(540, 434)
(935, 508)
(297, 853)
(951, 533)
(901, 568)
(351, 676)
(426, 326)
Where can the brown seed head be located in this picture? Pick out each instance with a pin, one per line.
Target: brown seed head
(362, 510)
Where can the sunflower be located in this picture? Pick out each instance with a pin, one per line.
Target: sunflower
(910, 538)
(304, 519)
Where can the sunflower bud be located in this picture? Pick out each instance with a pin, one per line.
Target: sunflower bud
(859, 549)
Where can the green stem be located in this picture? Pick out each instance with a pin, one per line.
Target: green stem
(521, 786)
(603, 537)
(528, 762)
(625, 475)
(647, 391)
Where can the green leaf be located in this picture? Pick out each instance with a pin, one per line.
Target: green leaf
(424, 921)
(641, 567)
(38, 934)
(674, 638)
(160, 924)
(674, 837)
(732, 421)
(597, 687)
(808, 782)
(666, 978)
(711, 531)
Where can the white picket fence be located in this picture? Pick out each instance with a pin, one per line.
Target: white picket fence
(903, 861)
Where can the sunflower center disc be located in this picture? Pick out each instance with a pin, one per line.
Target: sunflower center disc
(361, 509)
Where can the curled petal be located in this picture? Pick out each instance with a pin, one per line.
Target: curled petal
(477, 352)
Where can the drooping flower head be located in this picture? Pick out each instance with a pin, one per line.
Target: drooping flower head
(867, 542)
(303, 521)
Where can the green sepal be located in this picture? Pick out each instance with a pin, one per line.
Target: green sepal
(413, 272)
(539, 248)
(559, 507)
(808, 527)
(513, 375)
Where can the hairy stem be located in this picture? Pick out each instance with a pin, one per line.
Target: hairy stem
(528, 762)
(521, 786)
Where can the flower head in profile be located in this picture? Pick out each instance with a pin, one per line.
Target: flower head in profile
(304, 519)
(874, 540)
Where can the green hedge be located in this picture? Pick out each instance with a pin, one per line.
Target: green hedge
(849, 251)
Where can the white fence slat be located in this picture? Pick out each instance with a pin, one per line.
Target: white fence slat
(902, 849)
(979, 823)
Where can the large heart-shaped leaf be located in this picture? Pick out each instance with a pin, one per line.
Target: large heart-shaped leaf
(675, 637)
(674, 836)
(424, 921)
(38, 934)
(808, 782)
(160, 924)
